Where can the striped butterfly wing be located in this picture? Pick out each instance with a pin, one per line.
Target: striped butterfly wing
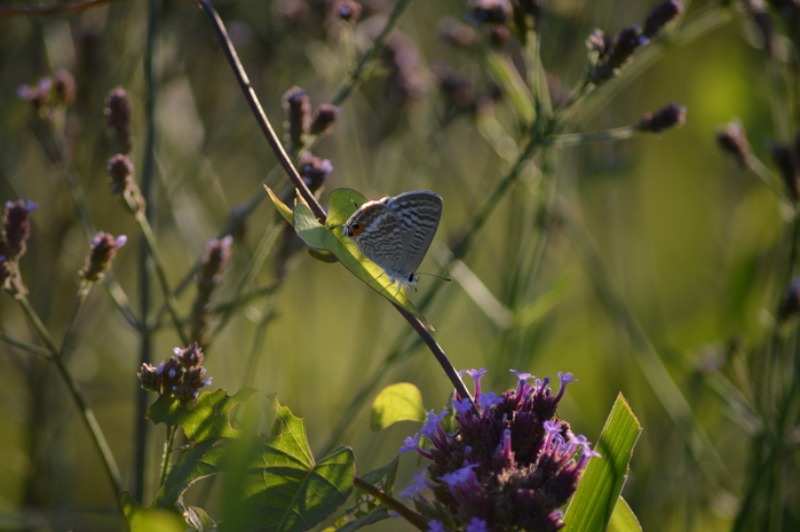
(377, 231)
(419, 213)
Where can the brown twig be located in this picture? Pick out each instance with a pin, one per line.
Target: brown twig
(258, 111)
(390, 502)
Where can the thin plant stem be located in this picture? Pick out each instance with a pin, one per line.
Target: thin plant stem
(141, 426)
(77, 304)
(25, 346)
(86, 413)
(169, 441)
(161, 275)
(574, 139)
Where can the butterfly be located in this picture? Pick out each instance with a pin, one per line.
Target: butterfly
(396, 232)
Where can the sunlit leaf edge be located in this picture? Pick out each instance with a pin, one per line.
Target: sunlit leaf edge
(599, 490)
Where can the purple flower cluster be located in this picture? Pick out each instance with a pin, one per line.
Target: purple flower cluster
(181, 375)
(506, 464)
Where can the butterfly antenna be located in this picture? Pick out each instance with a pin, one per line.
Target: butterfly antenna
(448, 279)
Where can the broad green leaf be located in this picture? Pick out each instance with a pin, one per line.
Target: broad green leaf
(283, 209)
(332, 239)
(203, 459)
(141, 519)
(281, 486)
(599, 490)
(397, 402)
(623, 518)
(342, 203)
(207, 417)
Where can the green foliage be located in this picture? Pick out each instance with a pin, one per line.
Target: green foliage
(278, 484)
(397, 402)
(598, 495)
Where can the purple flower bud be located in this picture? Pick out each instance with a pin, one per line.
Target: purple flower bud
(64, 86)
(37, 95)
(120, 169)
(790, 301)
(118, 111)
(788, 162)
(324, 117)
(733, 141)
(457, 33)
(104, 249)
(190, 357)
(660, 15)
(347, 10)
(298, 114)
(665, 118)
(314, 170)
(16, 229)
(150, 377)
(491, 11)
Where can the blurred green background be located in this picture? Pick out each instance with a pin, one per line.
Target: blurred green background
(693, 246)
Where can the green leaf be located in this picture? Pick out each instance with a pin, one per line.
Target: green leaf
(341, 205)
(206, 458)
(397, 402)
(207, 417)
(281, 486)
(623, 518)
(283, 209)
(331, 237)
(598, 493)
(141, 519)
